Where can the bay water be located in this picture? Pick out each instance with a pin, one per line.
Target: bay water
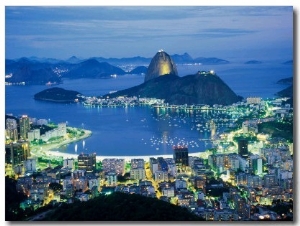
(136, 131)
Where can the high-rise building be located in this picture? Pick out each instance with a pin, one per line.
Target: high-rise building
(11, 129)
(30, 164)
(34, 134)
(11, 123)
(161, 176)
(69, 163)
(257, 166)
(243, 148)
(62, 129)
(181, 156)
(137, 163)
(111, 179)
(137, 173)
(24, 127)
(153, 165)
(114, 165)
(213, 128)
(87, 162)
(16, 153)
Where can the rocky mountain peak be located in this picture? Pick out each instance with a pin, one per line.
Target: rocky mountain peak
(161, 64)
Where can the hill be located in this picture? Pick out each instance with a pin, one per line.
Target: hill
(287, 92)
(289, 62)
(210, 61)
(29, 72)
(121, 207)
(200, 88)
(288, 80)
(93, 69)
(138, 70)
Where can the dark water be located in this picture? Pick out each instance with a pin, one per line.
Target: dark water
(140, 130)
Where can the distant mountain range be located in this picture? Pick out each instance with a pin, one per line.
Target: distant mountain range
(138, 60)
(34, 70)
(253, 62)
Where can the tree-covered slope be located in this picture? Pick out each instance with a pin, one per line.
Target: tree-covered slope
(121, 207)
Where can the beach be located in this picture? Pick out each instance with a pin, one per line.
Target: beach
(48, 150)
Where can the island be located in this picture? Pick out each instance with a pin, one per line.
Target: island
(253, 62)
(58, 95)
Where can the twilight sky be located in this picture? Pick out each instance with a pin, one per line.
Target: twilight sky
(227, 32)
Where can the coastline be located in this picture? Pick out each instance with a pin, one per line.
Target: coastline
(48, 150)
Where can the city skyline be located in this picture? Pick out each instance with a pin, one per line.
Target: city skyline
(229, 32)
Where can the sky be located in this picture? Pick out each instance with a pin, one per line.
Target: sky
(227, 32)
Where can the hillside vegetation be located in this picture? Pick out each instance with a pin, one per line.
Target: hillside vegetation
(121, 207)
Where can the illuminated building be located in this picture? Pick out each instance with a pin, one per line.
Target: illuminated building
(80, 183)
(137, 173)
(111, 179)
(213, 128)
(69, 163)
(168, 191)
(243, 148)
(242, 208)
(78, 173)
(216, 161)
(257, 165)
(153, 165)
(253, 100)
(137, 163)
(87, 162)
(162, 164)
(62, 129)
(161, 176)
(30, 164)
(24, 127)
(16, 154)
(34, 134)
(11, 129)
(114, 165)
(181, 156)
(180, 184)
(200, 183)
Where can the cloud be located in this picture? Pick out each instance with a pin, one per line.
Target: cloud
(39, 27)
(225, 32)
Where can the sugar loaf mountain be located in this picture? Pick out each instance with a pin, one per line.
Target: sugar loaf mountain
(162, 82)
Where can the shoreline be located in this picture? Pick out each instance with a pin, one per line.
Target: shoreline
(47, 150)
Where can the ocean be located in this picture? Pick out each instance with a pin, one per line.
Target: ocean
(136, 131)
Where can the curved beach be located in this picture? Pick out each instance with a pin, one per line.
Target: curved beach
(49, 149)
